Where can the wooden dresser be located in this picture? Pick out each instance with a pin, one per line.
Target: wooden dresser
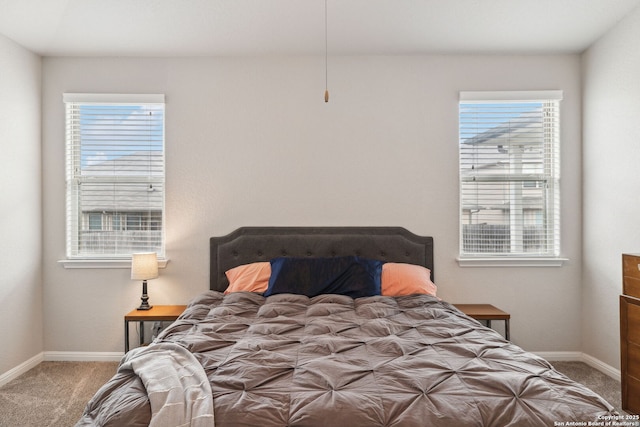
(630, 333)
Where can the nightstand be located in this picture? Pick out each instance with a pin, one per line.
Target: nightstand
(157, 313)
(487, 313)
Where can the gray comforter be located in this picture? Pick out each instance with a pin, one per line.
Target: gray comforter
(289, 360)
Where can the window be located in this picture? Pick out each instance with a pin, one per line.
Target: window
(509, 146)
(115, 175)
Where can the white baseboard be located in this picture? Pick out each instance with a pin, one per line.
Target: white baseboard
(20, 369)
(577, 356)
(82, 356)
(58, 356)
(560, 356)
(602, 367)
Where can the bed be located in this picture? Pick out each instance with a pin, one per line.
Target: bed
(277, 357)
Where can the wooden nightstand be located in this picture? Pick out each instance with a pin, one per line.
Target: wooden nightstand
(157, 313)
(487, 313)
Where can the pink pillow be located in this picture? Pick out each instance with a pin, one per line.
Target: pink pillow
(249, 277)
(405, 279)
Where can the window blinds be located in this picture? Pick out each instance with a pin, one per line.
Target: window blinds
(509, 173)
(115, 175)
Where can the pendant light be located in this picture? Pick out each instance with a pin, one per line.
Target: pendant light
(326, 55)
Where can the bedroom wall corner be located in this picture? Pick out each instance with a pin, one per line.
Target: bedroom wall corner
(21, 206)
(611, 155)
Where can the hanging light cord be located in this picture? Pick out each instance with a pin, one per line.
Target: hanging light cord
(326, 56)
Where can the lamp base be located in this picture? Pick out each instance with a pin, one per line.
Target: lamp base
(145, 298)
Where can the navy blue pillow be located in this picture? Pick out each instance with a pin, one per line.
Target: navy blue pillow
(352, 276)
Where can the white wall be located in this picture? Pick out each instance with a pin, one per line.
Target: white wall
(251, 142)
(611, 171)
(20, 206)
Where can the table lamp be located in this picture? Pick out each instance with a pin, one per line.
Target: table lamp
(144, 266)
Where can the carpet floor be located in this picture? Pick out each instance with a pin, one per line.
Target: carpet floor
(54, 394)
(601, 383)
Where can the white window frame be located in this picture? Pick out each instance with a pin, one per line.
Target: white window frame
(517, 255)
(77, 218)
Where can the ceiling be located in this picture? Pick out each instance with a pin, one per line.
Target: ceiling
(296, 27)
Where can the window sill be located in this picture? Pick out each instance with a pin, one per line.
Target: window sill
(104, 263)
(511, 262)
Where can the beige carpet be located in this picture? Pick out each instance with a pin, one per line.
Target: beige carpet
(601, 383)
(55, 393)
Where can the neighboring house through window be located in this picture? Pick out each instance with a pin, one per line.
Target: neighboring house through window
(509, 148)
(115, 175)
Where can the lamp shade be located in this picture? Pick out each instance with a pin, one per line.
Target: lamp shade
(144, 266)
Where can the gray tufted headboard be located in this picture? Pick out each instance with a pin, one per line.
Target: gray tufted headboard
(252, 244)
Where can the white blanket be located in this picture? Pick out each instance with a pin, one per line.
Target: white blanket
(177, 386)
